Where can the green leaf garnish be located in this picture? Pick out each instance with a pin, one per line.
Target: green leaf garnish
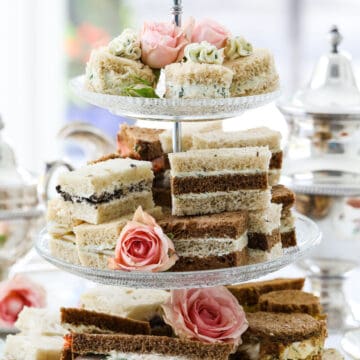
(170, 236)
(139, 90)
(142, 81)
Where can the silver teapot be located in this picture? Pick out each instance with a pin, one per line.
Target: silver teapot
(322, 165)
(23, 195)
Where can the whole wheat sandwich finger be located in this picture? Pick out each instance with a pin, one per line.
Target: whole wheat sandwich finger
(139, 143)
(264, 238)
(291, 301)
(144, 144)
(282, 336)
(248, 294)
(188, 130)
(208, 242)
(139, 347)
(218, 180)
(95, 244)
(254, 74)
(261, 136)
(105, 190)
(285, 197)
(77, 320)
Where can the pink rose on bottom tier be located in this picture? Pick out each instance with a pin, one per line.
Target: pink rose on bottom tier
(17, 293)
(143, 246)
(208, 315)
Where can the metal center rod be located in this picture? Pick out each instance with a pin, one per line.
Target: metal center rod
(176, 135)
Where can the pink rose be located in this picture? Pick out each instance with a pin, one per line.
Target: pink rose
(143, 246)
(354, 202)
(209, 315)
(162, 44)
(17, 293)
(210, 31)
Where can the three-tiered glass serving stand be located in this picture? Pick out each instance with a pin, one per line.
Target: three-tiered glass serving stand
(179, 111)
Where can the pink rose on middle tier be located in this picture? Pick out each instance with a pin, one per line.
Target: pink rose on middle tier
(162, 44)
(143, 246)
(208, 315)
(208, 30)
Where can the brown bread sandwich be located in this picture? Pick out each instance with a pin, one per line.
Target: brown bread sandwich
(248, 294)
(282, 336)
(111, 347)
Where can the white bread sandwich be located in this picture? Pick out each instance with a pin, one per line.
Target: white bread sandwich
(37, 347)
(39, 321)
(60, 223)
(201, 76)
(40, 337)
(218, 180)
(95, 244)
(136, 304)
(105, 190)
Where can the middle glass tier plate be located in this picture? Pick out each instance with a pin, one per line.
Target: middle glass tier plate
(308, 236)
(171, 109)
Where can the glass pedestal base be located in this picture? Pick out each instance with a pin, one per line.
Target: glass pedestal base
(327, 278)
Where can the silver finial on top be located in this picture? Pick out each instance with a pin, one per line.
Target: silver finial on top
(335, 39)
(177, 11)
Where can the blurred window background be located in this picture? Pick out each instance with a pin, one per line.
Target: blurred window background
(46, 42)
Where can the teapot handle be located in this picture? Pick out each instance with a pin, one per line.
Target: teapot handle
(49, 173)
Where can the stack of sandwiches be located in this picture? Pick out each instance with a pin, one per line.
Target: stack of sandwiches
(154, 145)
(96, 202)
(40, 336)
(286, 198)
(284, 321)
(113, 323)
(120, 323)
(221, 191)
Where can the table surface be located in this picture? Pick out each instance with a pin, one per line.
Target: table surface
(65, 289)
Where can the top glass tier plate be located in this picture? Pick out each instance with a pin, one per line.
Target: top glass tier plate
(171, 109)
(308, 236)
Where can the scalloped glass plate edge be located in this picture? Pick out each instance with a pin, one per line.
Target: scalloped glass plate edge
(308, 235)
(171, 109)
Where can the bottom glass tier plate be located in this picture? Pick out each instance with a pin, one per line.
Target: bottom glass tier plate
(308, 236)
